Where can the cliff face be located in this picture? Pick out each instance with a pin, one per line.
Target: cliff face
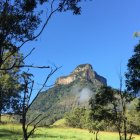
(82, 72)
(65, 80)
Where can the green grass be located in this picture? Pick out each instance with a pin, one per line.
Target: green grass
(10, 132)
(60, 123)
(13, 132)
(74, 134)
(8, 118)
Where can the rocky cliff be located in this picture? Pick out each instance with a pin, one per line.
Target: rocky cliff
(82, 72)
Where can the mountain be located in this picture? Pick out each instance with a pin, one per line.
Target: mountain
(69, 92)
(82, 72)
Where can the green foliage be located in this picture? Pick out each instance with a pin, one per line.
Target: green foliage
(18, 21)
(60, 123)
(10, 86)
(96, 126)
(81, 118)
(113, 106)
(20, 18)
(16, 25)
(133, 73)
(133, 117)
(76, 118)
(102, 108)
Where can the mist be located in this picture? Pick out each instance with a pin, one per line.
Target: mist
(83, 94)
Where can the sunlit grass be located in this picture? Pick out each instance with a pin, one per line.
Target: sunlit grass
(7, 118)
(13, 132)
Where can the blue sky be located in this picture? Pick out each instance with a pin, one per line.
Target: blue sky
(102, 36)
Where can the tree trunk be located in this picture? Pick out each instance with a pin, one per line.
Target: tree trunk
(130, 138)
(120, 136)
(0, 106)
(124, 121)
(0, 117)
(25, 137)
(23, 121)
(125, 131)
(97, 134)
(118, 128)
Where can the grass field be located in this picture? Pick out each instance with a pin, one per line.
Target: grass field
(58, 131)
(13, 132)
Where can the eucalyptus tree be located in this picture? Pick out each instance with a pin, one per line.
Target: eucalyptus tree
(19, 19)
(27, 85)
(21, 22)
(110, 105)
(133, 73)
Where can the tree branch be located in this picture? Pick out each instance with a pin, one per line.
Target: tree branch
(36, 36)
(34, 127)
(33, 120)
(47, 78)
(25, 66)
(28, 54)
(31, 91)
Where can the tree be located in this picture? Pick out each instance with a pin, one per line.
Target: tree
(133, 72)
(133, 116)
(95, 126)
(110, 105)
(81, 118)
(10, 86)
(19, 19)
(76, 118)
(26, 102)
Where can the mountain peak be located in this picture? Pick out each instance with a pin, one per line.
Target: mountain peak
(69, 92)
(83, 67)
(82, 72)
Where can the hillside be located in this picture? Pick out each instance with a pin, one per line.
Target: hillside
(69, 92)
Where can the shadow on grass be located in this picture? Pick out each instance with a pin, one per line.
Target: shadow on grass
(52, 136)
(7, 133)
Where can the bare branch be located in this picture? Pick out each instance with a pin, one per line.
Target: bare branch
(28, 54)
(32, 66)
(25, 66)
(50, 74)
(45, 86)
(35, 37)
(52, 5)
(30, 92)
(33, 120)
(35, 126)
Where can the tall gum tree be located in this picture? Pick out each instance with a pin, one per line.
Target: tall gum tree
(133, 72)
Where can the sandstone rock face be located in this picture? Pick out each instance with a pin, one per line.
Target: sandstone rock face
(65, 81)
(82, 72)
